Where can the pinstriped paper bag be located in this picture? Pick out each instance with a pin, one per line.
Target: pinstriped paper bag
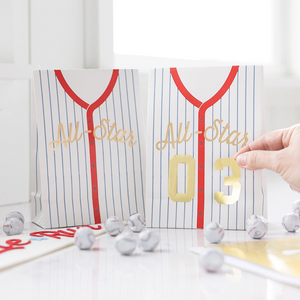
(87, 157)
(197, 120)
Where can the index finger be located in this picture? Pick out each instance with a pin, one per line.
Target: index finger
(272, 141)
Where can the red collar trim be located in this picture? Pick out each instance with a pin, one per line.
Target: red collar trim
(214, 98)
(78, 100)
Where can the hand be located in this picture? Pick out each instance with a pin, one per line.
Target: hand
(278, 151)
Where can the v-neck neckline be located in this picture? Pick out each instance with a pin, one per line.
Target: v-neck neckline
(193, 100)
(81, 102)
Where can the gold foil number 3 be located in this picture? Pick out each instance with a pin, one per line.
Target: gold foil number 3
(232, 180)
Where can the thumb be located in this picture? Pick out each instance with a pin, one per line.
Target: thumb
(256, 160)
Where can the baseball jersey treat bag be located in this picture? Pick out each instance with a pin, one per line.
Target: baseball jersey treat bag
(87, 147)
(198, 118)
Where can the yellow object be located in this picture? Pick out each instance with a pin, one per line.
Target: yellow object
(281, 255)
(232, 180)
(190, 178)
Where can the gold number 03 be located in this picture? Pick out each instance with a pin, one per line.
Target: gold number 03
(190, 178)
(232, 180)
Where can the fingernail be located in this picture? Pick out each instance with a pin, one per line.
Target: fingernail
(241, 160)
(295, 189)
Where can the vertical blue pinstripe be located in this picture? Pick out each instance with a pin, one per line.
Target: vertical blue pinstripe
(70, 158)
(54, 156)
(36, 171)
(153, 126)
(103, 162)
(50, 213)
(79, 179)
(220, 172)
(169, 144)
(245, 173)
(228, 152)
(121, 201)
(62, 155)
(184, 206)
(237, 128)
(253, 132)
(111, 168)
(193, 156)
(212, 169)
(139, 142)
(124, 145)
(161, 113)
(86, 172)
(176, 154)
(263, 205)
(133, 165)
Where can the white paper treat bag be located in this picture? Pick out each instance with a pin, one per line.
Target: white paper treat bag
(87, 147)
(198, 118)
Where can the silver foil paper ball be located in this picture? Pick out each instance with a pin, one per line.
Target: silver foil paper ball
(84, 238)
(148, 240)
(136, 222)
(257, 226)
(291, 222)
(214, 232)
(13, 226)
(16, 214)
(114, 226)
(296, 207)
(211, 259)
(125, 243)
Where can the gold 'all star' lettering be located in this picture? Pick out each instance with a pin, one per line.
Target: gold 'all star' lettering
(173, 141)
(64, 141)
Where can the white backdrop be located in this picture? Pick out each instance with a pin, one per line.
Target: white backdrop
(74, 34)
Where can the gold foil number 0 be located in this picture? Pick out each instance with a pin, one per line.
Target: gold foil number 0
(232, 180)
(190, 178)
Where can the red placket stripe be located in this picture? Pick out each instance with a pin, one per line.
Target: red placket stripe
(201, 169)
(90, 125)
(201, 139)
(93, 160)
(94, 177)
(201, 127)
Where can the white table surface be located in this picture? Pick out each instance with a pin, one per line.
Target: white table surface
(170, 272)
